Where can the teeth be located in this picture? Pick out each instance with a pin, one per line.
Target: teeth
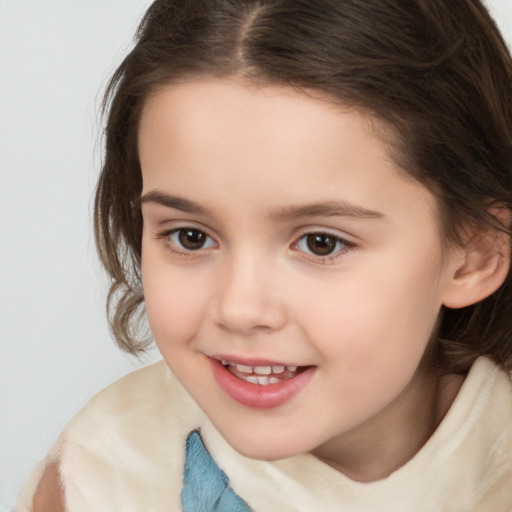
(261, 380)
(244, 369)
(262, 370)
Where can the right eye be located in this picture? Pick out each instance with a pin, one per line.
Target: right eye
(190, 239)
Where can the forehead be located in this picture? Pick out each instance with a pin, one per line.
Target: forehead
(210, 107)
(213, 136)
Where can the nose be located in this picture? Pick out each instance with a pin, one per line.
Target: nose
(249, 299)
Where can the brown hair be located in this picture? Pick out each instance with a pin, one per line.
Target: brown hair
(437, 73)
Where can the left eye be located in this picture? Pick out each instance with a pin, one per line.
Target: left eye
(320, 244)
(191, 239)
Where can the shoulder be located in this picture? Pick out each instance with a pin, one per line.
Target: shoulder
(132, 405)
(125, 446)
(49, 496)
(152, 390)
(137, 385)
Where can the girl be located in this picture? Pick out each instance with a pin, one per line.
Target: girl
(311, 204)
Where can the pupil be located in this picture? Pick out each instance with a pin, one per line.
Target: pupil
(192, 238)
(321, 244)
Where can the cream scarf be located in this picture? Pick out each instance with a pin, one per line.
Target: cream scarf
(125, 451)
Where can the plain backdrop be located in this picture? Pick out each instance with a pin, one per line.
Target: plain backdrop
(55, 349)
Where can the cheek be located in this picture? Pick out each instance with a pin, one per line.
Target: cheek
(371, 335)
(175, 302)
(376, 316)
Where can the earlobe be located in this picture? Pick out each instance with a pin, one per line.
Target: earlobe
(484, 268)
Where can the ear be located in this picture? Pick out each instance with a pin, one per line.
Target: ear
(483, 267)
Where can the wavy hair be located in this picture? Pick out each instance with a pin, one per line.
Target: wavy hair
(437, 74)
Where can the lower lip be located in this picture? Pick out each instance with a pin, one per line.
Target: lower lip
(256, 395)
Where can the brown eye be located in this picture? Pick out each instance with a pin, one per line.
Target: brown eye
(321, 244)
(191, 239)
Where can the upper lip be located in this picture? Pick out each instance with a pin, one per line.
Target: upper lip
(249, 361)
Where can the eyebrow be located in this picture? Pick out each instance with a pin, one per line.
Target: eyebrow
(286, 213)
(325, 209)
(170, 201)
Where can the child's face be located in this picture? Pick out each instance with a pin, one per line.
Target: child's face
(278, 232)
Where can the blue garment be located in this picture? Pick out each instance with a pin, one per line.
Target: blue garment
(206, 486)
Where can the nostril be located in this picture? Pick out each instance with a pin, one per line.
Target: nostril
(238, 326)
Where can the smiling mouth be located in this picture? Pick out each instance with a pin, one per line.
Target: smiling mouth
(262, 375)
(260, 384)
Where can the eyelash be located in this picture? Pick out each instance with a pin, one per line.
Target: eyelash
(174, 245)
(331, 256)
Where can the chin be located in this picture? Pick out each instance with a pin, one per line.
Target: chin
(267, 455)
(262, 448)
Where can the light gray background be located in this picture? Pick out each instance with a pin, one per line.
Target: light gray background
(55, 349)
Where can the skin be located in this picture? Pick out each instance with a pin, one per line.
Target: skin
(362, 316)
(49, 496)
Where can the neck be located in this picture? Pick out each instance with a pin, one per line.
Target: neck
(390, 439)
